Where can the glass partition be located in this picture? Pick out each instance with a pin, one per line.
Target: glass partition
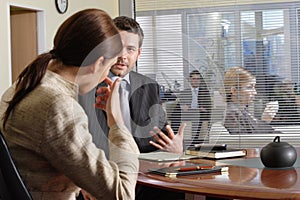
(262, 38)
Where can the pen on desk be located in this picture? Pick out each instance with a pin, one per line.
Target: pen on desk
(195, 168)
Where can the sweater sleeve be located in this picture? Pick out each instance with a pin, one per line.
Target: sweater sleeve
(69, 148)
(231, 123)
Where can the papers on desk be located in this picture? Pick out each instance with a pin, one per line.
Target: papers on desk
(161, 156)
(191, 153)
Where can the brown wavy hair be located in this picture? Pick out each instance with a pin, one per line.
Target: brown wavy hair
(79, 41)
(128, 24)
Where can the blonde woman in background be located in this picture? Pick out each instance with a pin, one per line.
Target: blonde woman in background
(240, 92)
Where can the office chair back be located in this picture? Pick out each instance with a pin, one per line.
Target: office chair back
(12, 186)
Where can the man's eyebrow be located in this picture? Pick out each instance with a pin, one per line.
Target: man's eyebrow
(131, 46)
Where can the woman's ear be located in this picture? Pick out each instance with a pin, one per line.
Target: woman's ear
(96, 67)
(233, 90)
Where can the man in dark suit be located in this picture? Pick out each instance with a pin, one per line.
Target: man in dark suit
(145, 110)
(144, 100)
(194, 107)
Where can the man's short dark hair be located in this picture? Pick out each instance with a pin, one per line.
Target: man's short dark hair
(195, 72)
(128, 24)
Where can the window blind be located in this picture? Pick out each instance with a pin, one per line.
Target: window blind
(212, 37)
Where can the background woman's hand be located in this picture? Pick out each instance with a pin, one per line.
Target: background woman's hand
(171, 142)
(270, 111)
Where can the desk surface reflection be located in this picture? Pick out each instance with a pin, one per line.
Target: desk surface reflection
(239, 182)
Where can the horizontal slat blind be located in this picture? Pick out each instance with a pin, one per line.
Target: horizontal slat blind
(162, 49)
(150, 5)
(211, 37)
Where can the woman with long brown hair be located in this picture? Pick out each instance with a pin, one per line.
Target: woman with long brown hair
(47, 130)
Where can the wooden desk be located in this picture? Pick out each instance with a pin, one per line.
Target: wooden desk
(239, 183)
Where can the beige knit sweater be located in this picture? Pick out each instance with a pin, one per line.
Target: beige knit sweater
(50, 142)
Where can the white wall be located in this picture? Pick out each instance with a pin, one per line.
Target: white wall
(51, 18)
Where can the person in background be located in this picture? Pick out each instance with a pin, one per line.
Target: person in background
(289, 107)
(47, 130)
(144, 106)
(195, 105)
(239, 85)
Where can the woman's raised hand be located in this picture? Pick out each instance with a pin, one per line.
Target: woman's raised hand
(108, 99)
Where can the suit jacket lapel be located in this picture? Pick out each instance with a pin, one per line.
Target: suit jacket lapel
(134, 100)
(186, 97)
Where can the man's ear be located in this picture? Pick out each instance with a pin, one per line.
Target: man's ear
(97, 65)
(139, 53)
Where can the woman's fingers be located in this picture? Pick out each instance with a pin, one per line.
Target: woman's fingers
(102, 94)
(113, 104)
(108, 81)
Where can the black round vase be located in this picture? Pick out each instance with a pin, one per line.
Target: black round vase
(278, 154)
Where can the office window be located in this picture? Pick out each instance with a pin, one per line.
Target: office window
(162, 57)
(212, 37)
